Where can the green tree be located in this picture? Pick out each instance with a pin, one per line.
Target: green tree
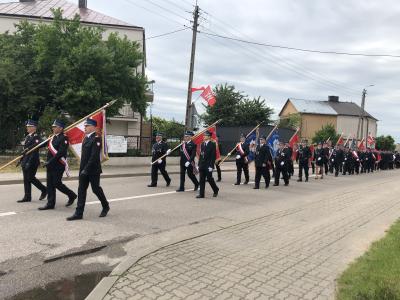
(386, 143)
(236, 109)
(291, 121)
(170, 128)
(326, 132)
(67, 67)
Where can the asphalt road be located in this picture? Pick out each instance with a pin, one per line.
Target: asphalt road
(39, 247)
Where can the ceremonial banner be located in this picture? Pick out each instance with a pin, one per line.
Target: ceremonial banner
(273, 142)
(340, 141)
(370, 141)
(361, 145)
(252, 141)
(77, 133)
(294, 140)
(207, 94)
(200, 138)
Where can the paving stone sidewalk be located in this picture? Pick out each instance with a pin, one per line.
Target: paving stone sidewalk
(293, 254)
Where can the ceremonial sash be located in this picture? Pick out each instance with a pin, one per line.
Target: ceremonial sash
(195, 169)
(62, 160)
(240, 149)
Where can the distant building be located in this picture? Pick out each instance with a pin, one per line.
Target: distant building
(127, 123)
(344, 116)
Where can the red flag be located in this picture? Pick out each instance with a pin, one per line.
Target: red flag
(294, 140)
(200, 138)
(77, 134)
(202, 88)
(370, 140)
(340, 141)
(208, 96)
(361, 145)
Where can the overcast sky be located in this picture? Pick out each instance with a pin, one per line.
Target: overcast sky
(367, 26)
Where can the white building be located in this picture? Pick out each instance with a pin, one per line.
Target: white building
(128, 123)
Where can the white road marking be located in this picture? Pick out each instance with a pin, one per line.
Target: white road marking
(137, 197)
(8, 214)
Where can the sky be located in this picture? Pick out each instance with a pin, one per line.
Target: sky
(353, 26)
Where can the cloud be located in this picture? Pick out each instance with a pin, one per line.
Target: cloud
(369, 26)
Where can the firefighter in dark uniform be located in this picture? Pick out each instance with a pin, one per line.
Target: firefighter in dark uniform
(282, 164)
(89, 171)
(291, 165)
(207, 158)
(187, 162)
(369, 161)
(30, 163)
(263, 162)
(348, 161)
(242, 162)
(56, 165)
(303, 157)
(336, 159)
(326, 158)
(160, 148)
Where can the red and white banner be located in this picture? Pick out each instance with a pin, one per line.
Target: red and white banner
(77, 134)
(361, 145)
(370, 141)
(207, 94)
(200, 138)
(340, 140)
(62, 160)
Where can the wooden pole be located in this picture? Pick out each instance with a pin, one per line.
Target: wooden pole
(230, 153)
(193, 137)
(66, 130)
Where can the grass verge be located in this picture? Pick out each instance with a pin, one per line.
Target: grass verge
(376, 274)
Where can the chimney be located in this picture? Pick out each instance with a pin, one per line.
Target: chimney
(333, 98)
(82, 3)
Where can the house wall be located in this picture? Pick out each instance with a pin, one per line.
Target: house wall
(310, 123)
(349, 125)
(288, 109)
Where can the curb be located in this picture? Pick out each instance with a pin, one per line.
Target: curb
(155, 243)
(75, 178)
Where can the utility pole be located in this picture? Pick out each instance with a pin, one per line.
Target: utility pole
(361, 118)
(193, 54)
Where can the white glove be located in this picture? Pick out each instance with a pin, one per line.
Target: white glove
(187, 164)
(159, 161)
(333, 159)
(210, 169)
(319, 158)
(366, 159)
(282, 163)
(238, 156)
(168, 151)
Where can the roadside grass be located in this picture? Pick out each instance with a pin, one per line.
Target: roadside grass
(376, 274)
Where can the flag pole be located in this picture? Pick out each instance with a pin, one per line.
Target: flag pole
(193, 137)
(66, 130)
(230, 152)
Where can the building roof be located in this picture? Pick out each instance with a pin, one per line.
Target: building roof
(324, 107)
(42, 9)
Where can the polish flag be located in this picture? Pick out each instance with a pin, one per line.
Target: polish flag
(77, 134)
(207, 94)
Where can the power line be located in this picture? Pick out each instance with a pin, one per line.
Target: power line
(298, 49)
(167, 33)
(130, 2)
(285, 59)
(288, 68)
(176, 5)
(168, 10)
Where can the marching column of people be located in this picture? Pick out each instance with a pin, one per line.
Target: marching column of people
(336, 159)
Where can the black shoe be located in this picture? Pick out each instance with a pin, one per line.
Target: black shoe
(71, 201)
(306, 179)
(24, 200)
(180, 190)
(267, 186)
(168, 182)
(104, 212)
(246, 182)
(43, 196)
(46, 207)
(196, 187)
(276, 184)
(299, 180)
(74, 217)
(152, 185)
(286, 184)
(219, 180)
(237, 183)
(199, 196)
(255, 188)
(336, 175)
(216, 193)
